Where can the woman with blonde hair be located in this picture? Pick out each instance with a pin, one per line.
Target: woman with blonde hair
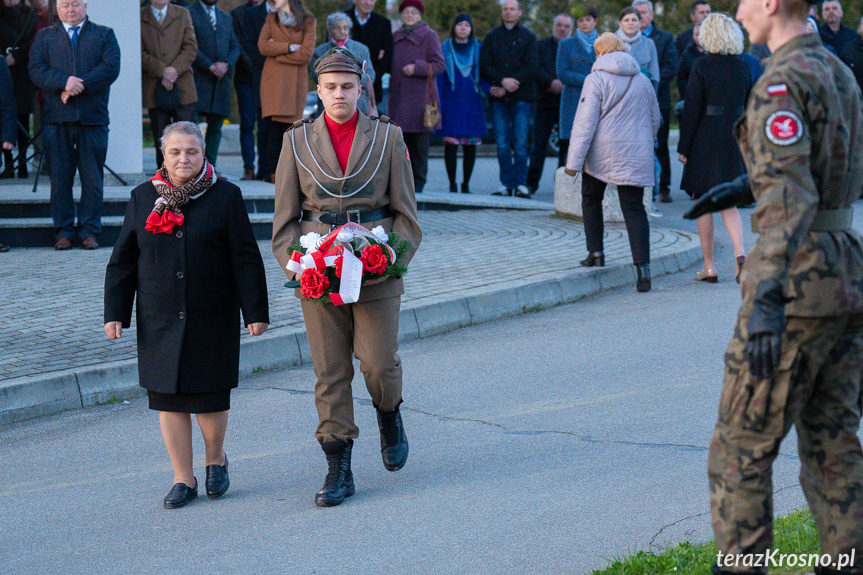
(715, 98)
(612, 143)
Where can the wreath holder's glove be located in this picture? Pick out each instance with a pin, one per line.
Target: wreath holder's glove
(764, 346)
(722, 197)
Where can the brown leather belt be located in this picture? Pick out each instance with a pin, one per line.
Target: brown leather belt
(825, 221)
(341, 218)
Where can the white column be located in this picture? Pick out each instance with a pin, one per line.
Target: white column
(125, 143)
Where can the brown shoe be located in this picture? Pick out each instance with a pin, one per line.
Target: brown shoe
(248, 175)
(90, 244)
(63, 244)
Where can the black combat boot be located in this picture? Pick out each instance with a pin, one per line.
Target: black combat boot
(394, 442)
(643, 283)
(339, 482)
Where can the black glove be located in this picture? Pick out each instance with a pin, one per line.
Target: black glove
(728, 195)
(764, 346)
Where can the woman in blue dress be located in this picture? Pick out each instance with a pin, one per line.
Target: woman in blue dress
(461, 97)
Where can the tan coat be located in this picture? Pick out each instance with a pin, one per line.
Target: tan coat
(392, 186)
(171, 44)
(285, 78)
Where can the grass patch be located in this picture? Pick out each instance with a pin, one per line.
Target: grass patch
(794, 533)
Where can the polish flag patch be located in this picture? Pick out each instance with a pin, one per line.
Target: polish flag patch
(777, 90)
(784, 128)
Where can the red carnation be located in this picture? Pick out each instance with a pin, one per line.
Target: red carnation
(374, 260)
(339, 262)
(313, 284)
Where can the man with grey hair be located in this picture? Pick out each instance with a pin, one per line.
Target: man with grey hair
(668, 60)
(833, 33)
(339, 27)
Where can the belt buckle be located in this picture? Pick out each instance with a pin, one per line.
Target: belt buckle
(356, 212)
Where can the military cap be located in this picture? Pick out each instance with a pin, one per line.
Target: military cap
(339, 59)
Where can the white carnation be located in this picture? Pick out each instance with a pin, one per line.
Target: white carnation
(310, 240)
(380, 233)
(345, 236)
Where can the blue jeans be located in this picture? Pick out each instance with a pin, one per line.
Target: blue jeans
(248, 116)
(511, 124)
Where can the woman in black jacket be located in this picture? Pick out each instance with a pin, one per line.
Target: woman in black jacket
(187, 253)
(17, 26)
(715, 98)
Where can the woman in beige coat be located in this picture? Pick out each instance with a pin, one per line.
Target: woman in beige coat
(287, 41)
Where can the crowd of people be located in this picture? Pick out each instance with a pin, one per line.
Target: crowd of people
(194, 54)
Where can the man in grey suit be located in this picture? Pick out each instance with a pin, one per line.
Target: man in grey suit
(218, 52)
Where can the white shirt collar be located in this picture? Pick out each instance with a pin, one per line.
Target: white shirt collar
(69, 26)
(360, 19)
(163, 12)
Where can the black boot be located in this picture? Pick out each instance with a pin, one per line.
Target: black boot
(594, 259)
(643, 283)
(339, 482)
(394, 442)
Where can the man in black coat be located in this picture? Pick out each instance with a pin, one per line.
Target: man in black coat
(8, 116)
(507, 61)
(698, 11)
(548, 90)
(375, 31)
(833, 33)
(213, 68)
(852, 54)
(75, 62)
(668, 61)
(243, 80)
(251, 23)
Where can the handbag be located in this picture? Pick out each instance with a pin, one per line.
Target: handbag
(431, 115)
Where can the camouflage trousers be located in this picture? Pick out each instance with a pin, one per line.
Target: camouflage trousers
(817, 388)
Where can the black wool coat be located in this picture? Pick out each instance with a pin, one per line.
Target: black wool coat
(219, 45)
(509, 53)
(189, 287)
(377, 35)
(715, 99)
(8, 109)
(17, 25)
(668, 63)
(546, 73)
(852, 54)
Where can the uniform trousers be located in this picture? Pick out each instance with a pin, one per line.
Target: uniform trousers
(368, 331)
(161, 119)
(816, 388)
(81, 148)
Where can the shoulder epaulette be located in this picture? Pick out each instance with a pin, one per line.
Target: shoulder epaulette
(299, 123)
(384, 119)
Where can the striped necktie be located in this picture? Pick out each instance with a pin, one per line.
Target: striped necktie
(212, 13)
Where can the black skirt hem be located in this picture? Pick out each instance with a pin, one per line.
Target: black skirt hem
(212, 402)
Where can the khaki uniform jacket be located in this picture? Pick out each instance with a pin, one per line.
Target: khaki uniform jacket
(171, 44)
(802, 141)
(392, 186)
(286, 73)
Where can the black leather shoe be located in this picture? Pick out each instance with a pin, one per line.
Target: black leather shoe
(180, 494)
(594, 259)
(465, 188)
(217, 479)
(394, 442)
(339, 482)
(643, 283)
(453, 189)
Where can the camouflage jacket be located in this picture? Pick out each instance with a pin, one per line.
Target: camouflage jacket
(802, 141)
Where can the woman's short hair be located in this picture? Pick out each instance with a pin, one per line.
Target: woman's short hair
(337, 18)
(607, 43)
(721, 35)
(186, 128)
(627, 11)
(580, 11)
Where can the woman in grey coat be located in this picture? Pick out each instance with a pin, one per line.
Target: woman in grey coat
(612, 143)
(638, 45)
(339, 27)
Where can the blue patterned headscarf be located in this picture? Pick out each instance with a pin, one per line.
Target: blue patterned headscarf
(467, 64)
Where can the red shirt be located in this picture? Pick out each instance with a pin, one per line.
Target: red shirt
(342, 137)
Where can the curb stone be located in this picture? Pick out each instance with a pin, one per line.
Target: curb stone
(28, 397)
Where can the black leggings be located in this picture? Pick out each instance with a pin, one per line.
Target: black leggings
(450, 152)
(632, 206)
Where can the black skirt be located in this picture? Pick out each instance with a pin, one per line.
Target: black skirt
(190, 402)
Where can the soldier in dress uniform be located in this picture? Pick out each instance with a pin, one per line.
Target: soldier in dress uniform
(796, 357)
(346, 166)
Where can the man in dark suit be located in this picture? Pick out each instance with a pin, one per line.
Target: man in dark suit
(251, 23)
(75, 62)
(243, 80)
(218, 52)
(548, 90)
(375, 31)
(668, 60)
(8, 116)
(699, 10)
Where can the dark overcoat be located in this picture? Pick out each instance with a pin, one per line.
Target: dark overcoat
(252, 21)
(715, 98)
(219, 45)
(17, 26)
(8, 109)
(377, 35)
(243, 69)
(189, 287)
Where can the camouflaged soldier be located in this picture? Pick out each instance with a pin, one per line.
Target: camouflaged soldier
(796, 357)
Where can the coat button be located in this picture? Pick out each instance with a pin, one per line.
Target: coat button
(180, 275)
(180, 234)
(182, 315)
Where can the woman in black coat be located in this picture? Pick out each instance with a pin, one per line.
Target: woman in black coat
(17, 26)
(715, 98)
(188, 254)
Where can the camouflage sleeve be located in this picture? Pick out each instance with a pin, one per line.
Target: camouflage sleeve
(781, 177)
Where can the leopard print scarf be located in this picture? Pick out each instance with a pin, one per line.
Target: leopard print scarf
(167, 211)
